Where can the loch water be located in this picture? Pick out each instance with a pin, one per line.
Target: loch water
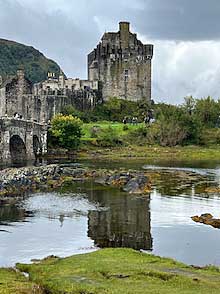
(86, 216)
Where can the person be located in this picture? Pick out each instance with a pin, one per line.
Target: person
(146, 120)
(16, 115)
(125, 120)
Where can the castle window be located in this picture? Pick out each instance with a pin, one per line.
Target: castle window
(126, 74)
(125, 57)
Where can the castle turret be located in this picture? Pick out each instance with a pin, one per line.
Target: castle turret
(61, 80)
(21, 81)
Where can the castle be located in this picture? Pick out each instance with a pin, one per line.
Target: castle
(122, 64)
(119, 67)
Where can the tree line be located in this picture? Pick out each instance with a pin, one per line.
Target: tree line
(195, 121)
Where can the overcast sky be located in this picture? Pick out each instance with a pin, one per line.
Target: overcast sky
(186, 35)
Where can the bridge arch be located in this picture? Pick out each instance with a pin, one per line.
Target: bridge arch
(17, 149)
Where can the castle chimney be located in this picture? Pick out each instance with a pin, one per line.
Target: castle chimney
(20, 74)
(124, 29)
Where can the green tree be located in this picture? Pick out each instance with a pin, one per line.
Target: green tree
(67, 130)
(207, 111)
(189, 104)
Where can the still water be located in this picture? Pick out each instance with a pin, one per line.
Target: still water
(88, 216)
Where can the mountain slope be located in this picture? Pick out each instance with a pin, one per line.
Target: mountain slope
(14, 55)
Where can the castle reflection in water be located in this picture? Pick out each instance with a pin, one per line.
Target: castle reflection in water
(121, 220)
(125, 221)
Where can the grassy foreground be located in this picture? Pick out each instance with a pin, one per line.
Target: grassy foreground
(120, 271)
(12, 282)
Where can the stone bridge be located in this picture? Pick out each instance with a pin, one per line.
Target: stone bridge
(21, 140)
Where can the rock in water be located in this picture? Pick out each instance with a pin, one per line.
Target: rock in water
(207, 219)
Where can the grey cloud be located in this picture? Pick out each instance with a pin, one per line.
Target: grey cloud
(180, 19)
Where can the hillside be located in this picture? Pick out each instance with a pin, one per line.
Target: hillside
(14, 55)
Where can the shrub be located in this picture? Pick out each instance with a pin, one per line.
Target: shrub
(67, 130)
(108, 138)
(138, 135)
(171, 133)
(210, 137)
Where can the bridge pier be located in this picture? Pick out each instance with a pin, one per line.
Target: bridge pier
(29, 145)
(5, 149)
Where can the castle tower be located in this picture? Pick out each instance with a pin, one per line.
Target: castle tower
(122, 64)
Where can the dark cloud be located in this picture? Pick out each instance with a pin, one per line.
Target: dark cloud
(180, 19)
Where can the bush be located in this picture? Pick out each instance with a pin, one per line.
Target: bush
(67, 130)
(210, 137)
(138, 136)
(171, 134)
(108, 138)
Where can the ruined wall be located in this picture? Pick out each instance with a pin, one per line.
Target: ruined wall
(16, 96)
(123, 65)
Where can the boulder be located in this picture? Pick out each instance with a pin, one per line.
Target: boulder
(207, 219)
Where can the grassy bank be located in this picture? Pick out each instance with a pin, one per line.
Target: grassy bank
(153, 153)
(98, 140)
(121, 271)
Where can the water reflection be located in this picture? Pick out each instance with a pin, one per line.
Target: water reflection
(124, 223)
(84, 216)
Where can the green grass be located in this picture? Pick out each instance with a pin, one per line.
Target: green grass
(147, 152)
(118, 127)
(121, 271)
(12, 282)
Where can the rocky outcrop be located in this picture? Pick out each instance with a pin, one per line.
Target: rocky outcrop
(130, 182)
(15, 181)
(207, 219)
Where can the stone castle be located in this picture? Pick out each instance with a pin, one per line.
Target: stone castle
(122, 64)
(119, 67)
